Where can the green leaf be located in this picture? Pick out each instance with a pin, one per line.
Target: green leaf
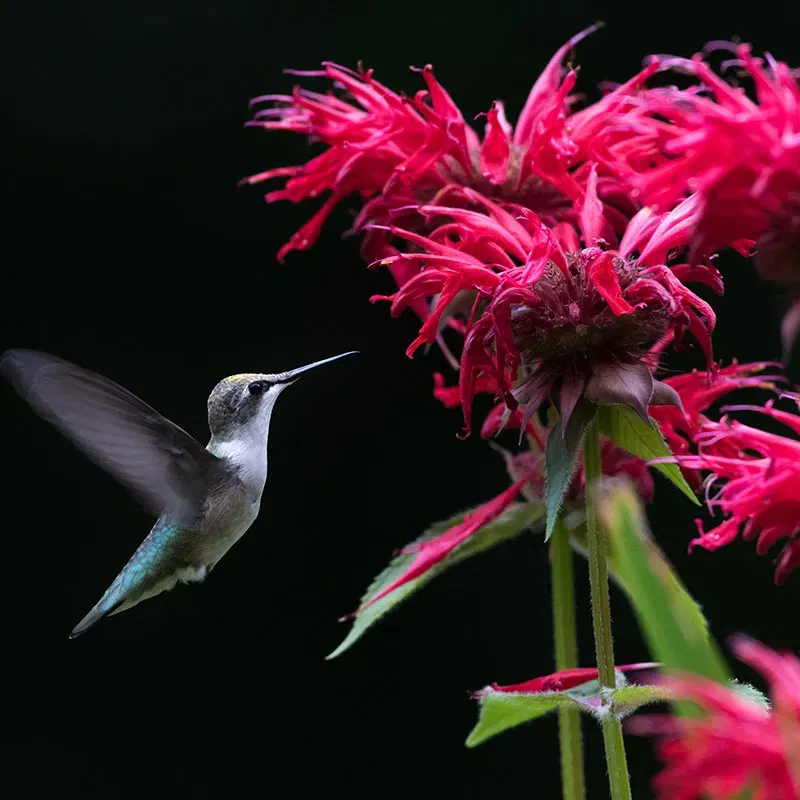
(561, 460)
(632, 433)
(672, 623)
(517, 518)
(501, 710)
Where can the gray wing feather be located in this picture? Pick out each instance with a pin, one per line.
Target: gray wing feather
(166, 467)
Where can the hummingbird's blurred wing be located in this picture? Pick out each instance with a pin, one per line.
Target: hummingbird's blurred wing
(165, 466)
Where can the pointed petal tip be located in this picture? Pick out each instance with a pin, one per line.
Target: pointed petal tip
(581, 35)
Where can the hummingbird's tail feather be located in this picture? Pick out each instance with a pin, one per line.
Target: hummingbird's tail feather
(94, 616)
(116, 599)
(126, 593)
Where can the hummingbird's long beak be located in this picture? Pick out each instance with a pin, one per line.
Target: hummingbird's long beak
(293, 374)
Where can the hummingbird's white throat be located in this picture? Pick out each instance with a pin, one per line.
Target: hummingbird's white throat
(246, 447)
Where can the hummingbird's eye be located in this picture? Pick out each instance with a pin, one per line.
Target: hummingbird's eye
(257, 387)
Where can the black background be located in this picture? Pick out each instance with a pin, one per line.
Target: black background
(129, 249)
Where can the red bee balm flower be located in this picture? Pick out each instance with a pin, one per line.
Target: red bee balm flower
(398, 152)
(738, 158)
(548, 318)
(739, 745)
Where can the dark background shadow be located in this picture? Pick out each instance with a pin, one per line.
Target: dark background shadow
(130, 250)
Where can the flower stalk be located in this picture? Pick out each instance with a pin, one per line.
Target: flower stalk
(566, 645)
(616, 761)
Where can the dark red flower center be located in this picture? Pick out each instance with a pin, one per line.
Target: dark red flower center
(572, 320)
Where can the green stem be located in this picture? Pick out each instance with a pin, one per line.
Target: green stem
(566, 641)
(601, 620)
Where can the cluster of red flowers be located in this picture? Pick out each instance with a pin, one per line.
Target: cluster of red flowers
(530, 253)
(550, 260)
(732, 161)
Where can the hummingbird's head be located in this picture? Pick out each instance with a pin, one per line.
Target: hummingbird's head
(241, 405)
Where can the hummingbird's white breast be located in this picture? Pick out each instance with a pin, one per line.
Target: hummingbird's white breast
(247, 458)
(245, 449)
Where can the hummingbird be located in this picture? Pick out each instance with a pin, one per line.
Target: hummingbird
(205, 498)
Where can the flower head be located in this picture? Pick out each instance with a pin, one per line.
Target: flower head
(739, 157)
(739, 744)
(545, 316)
(736, 159)
(397, 152)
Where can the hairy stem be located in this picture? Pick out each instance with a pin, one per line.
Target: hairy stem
(616, 762)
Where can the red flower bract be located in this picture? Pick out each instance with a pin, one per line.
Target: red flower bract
(739, 744)
(431, 551)
(565, 679)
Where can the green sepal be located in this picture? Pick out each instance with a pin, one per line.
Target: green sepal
(671, 621)
(625, 427)
(514, 520)
(561, 459)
